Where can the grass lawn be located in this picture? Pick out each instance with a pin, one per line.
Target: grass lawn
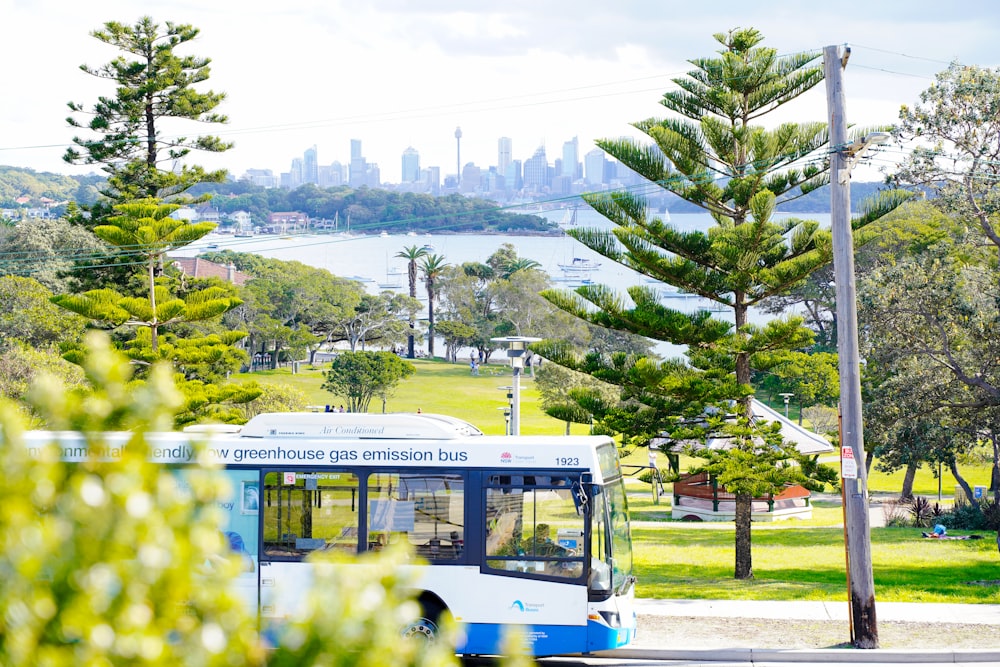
(796, 559)
(440, 387)
(675, 560)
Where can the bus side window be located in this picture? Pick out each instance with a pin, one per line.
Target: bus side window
(425, 510)
(309, 511)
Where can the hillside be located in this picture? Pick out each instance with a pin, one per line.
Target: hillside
(18, 183)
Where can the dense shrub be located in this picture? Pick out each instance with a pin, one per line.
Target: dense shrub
(921, 511)
(981, 515)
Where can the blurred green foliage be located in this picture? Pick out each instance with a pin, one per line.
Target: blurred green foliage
(117, 561)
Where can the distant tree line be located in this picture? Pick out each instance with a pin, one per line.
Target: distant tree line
(374, 209)
(367, 209)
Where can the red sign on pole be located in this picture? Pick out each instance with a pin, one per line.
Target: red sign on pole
(848, 464)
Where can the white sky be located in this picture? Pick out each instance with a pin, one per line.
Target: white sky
(398, 73)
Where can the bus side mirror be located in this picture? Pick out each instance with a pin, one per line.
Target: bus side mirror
(580, 499)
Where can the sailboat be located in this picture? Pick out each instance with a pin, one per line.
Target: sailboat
(569, 217)
(580, 266)
(393, 276)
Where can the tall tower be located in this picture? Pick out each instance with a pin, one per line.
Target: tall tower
(504, 150)
(310, 166)
(411, 165)
(571, 158)
(458, 154)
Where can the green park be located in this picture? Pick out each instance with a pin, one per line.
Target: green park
(794, 559)
(103, 328)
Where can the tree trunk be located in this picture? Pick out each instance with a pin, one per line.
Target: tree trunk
(430, 322)
(911, 471)
(742, 358)
(953, 467)
(744, 557)
(154, 325)
(995, 474)
(411, 271)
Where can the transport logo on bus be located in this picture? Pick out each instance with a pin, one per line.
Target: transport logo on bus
(506, 457)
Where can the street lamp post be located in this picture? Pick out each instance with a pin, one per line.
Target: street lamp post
(787, 398)
(506, 419)
(516, 347)
(507, 409)
(843, 157)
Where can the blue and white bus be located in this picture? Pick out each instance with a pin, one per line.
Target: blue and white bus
(511, 531)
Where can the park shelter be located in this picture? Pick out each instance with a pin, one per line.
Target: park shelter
(700, 498)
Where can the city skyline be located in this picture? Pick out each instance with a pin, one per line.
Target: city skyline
(408, 74)
(508, 179)
(308, 168)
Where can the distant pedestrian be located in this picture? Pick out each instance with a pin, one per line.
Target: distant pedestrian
(473, 367)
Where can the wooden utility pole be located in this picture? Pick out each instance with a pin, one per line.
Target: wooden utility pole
(861, 587)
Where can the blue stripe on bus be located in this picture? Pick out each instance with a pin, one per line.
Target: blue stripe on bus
(488, 638)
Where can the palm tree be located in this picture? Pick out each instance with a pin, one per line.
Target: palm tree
(411, 254)
(520, 264)
(432, 266)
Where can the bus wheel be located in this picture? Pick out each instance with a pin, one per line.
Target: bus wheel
(426, 627)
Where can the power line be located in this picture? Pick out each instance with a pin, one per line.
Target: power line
(494, 104)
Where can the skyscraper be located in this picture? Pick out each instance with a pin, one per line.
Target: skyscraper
(594, 167)
(504, 150)
(358, 174)
(512, 176)
(411, 165)
(535, 170)
(571, 158)
(310, 166)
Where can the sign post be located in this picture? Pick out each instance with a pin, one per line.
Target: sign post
(848, 464)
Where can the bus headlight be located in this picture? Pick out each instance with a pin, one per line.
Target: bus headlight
(612, 618)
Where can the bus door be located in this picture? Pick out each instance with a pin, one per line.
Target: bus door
(536, 541)
(240, 528)
(302, 511)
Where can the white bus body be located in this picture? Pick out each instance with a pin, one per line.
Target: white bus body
(525, 531)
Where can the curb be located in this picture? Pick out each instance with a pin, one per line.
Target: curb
(812, 656)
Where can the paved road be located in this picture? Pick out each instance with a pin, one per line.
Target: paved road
(912, 612)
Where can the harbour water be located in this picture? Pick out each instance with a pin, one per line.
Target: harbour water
(371, 258)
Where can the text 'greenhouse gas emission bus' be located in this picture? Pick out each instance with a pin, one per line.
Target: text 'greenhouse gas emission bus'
(527, 531)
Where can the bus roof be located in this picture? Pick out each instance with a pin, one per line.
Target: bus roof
(357, 425)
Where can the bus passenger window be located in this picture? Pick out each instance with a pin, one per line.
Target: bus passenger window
(309, 511)
(424, 510)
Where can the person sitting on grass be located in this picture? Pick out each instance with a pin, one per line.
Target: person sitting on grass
(938, 532)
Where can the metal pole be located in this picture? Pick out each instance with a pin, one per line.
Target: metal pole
(862, 585)
(515, 411)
